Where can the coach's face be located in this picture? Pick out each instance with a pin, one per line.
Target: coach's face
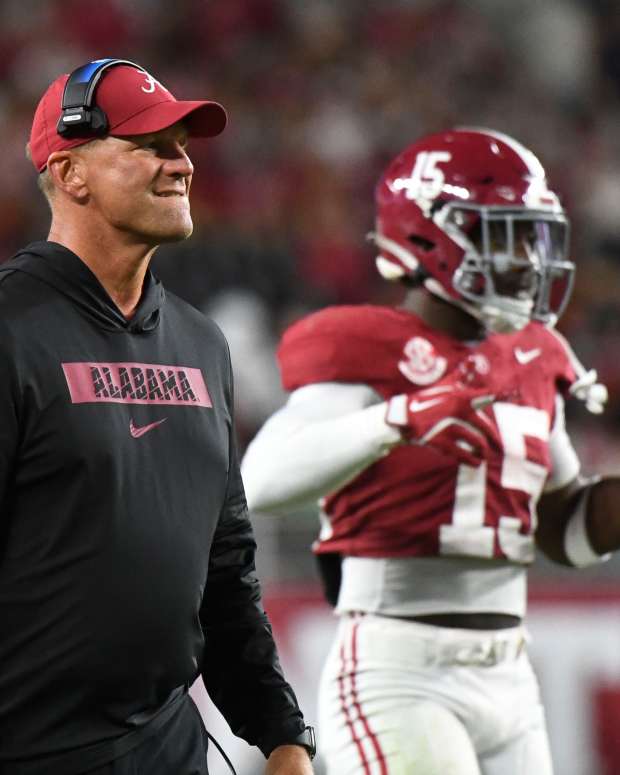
(140, 185)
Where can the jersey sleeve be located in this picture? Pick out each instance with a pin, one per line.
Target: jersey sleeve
(564, 362)
(338, 344)
(565, 464)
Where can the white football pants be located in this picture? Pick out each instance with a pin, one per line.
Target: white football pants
(403, 698)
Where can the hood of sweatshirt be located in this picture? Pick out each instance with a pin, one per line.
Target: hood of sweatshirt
(60, 268)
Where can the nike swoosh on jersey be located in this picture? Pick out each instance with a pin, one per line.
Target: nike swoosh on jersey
(137, 430)
(525, 356)
(420, 406)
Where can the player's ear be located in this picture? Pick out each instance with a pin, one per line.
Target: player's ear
(67, 171)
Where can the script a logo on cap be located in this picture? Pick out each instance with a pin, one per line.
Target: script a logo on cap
(151, 84)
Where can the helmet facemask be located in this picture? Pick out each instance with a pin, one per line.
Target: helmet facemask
(514, 266)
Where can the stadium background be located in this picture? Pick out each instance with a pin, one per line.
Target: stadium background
(320, 96)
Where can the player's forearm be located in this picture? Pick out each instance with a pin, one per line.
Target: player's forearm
(581, 525)
(603, 515)
(289, 465)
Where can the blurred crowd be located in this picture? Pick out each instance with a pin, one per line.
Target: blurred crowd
(320, 96)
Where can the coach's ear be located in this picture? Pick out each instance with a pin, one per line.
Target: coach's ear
(67, 170)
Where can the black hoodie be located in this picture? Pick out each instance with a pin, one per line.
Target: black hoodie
(126, 553)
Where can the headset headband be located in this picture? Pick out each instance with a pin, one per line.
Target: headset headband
(80, 117)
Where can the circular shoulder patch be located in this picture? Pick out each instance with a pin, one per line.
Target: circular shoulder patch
(423, 365)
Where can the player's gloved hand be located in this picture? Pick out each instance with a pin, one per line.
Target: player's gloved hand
(448, 417)
(593, 393)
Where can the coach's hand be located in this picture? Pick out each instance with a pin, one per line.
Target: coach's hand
(448, 417)
(289, 760)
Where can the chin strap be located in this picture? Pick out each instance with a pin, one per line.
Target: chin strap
(494, 319)
(434, 286)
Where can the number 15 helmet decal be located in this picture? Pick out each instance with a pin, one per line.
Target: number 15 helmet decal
(468, 213)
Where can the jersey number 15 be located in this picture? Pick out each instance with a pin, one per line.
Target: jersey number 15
(476, 532)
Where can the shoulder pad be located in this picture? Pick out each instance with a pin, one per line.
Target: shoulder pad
(340, 344)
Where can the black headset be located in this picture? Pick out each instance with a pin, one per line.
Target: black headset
(80, 117)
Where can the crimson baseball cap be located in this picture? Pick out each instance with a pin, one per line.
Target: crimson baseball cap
(135, 104)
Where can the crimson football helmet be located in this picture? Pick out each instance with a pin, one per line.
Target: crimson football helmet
(468, 214)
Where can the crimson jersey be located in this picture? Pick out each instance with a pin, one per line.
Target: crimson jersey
(416, 501)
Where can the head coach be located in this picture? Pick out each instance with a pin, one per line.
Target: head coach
(126, 552)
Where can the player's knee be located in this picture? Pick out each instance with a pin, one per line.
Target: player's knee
(423, 738)
(433, 741)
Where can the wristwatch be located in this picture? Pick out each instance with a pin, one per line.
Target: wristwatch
(307, 740)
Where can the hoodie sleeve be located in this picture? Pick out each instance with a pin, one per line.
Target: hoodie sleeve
(9, 414)
(241, 669)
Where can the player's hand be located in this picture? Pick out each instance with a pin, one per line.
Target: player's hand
(594, 394)
(448, 417)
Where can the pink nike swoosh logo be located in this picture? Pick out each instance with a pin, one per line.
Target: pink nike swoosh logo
(137, 431)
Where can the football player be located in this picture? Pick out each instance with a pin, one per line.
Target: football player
(433, 437)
